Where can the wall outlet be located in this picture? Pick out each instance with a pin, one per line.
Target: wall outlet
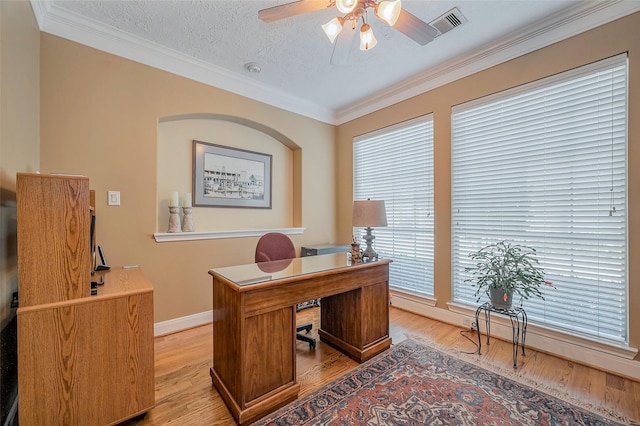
(113, 198)
(470, 323)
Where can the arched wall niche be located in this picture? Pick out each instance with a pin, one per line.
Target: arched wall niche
(174, 172)
(238, 120)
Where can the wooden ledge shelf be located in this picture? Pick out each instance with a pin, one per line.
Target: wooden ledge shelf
(165, 237)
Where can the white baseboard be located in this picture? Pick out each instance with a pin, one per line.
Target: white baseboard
(613, 359)
(182, 323)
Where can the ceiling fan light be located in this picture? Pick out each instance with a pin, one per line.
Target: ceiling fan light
(346, 6)
(389, 11)
(333, 28)
(367, 39)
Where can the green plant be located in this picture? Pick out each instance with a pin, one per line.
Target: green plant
(513, 268)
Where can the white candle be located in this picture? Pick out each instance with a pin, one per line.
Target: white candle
(174, 200)
(187, 199)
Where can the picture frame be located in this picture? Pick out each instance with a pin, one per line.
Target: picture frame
(230, 177)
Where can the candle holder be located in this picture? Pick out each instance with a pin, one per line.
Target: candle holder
(174, 219)
(187, 219)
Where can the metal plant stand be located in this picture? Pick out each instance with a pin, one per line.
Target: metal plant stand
(517, 324)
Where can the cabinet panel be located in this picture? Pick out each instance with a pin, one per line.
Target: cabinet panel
(270, 357)
(375, 312)
(86, 363)
(341, 316)
(53, 238)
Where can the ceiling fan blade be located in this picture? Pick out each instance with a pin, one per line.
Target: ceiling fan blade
(343, 43)
(415, 28)
(292, 9)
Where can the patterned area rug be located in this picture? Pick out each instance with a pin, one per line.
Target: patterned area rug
(413, 384)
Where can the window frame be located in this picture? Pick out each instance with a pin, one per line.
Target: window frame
(548, 259)
(394, 241)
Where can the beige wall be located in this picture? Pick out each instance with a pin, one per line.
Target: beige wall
(100, 117)
(602, 42)
(19, 90)
(174, 173)
(19, 125)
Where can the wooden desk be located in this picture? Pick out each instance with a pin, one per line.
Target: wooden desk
(254, 365)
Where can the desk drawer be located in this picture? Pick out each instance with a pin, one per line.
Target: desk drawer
(300, 290)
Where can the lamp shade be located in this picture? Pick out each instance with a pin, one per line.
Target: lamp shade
(367, 39)
(346, 6)
(389, 11)
(369, 213)
(333, 28)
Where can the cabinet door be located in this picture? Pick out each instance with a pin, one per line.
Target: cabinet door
(54, 256)
(87, 363)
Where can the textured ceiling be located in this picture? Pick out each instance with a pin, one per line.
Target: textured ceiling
(294, 54)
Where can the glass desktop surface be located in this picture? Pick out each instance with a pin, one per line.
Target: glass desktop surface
(254, 273)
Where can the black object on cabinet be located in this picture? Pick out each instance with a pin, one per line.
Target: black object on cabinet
(324, 249)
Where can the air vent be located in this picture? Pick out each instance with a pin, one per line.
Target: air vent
(450, 20)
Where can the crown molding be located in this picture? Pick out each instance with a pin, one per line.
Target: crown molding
(583, 17)
(40, 9)
(80, 29)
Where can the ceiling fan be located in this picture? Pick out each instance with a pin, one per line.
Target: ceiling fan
(341, 29)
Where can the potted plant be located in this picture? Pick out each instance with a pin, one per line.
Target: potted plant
(502, 269)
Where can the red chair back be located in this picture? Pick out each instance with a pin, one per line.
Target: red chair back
(274, 246)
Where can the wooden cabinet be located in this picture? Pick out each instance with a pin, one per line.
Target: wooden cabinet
(82, 360)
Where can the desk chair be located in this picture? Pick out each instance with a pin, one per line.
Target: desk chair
(276, 246)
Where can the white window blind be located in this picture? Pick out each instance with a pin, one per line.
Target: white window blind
(395, 164)
(544, 165)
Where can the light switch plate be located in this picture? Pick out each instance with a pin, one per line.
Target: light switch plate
(114, 198)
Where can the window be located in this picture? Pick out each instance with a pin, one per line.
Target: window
(395, 164)
(545, 165)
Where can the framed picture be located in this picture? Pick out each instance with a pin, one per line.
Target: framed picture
(230, 177)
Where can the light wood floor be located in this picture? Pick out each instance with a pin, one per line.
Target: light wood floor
(185, 395)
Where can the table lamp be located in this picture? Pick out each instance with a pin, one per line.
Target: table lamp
(369, 214)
